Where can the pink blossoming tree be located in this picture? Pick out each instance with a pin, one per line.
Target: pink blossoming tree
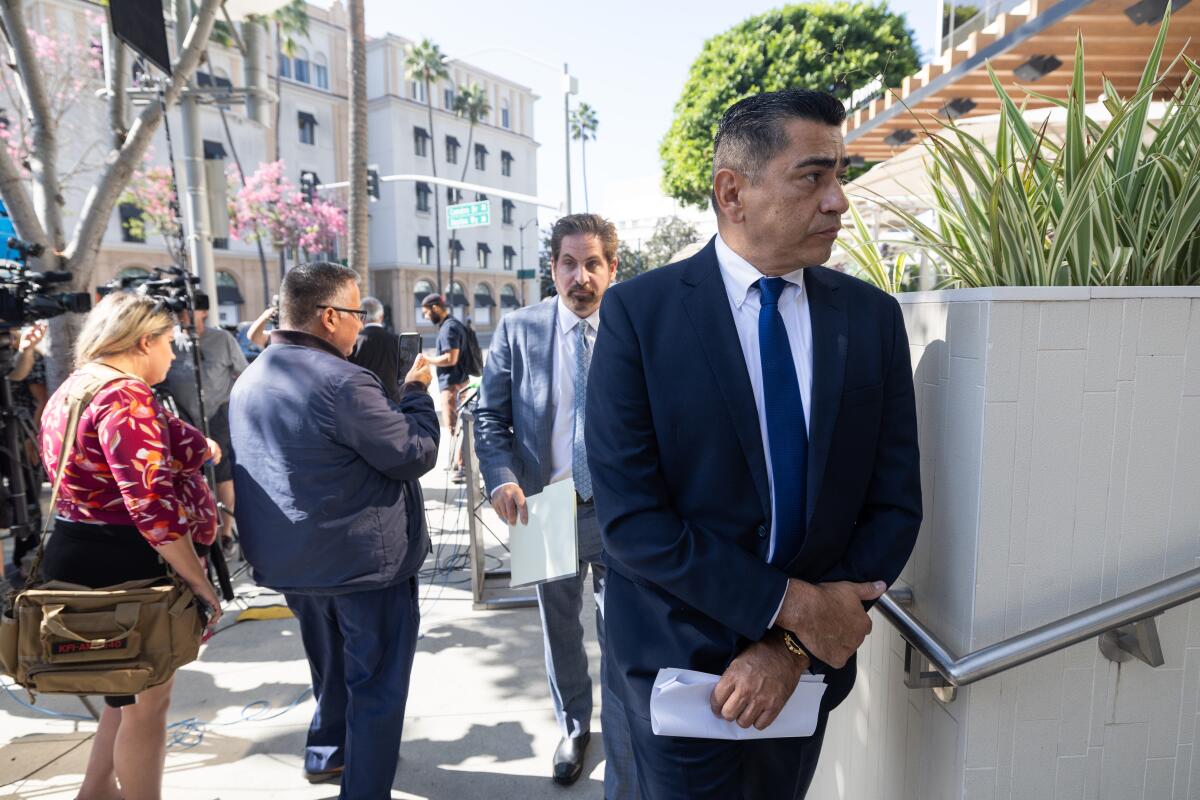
(271, 208)
(69, 72)
(150, 190)
(32, 172)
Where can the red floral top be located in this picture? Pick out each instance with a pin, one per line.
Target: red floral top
(133, 463)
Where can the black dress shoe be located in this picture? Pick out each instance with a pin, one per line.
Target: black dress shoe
(323, 775)
(568, 759)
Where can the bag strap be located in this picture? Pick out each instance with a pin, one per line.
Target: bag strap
(125, 615)
(78, 399)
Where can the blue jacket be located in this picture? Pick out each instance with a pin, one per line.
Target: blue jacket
(326, 470)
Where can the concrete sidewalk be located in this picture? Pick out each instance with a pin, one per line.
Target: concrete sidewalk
(480, 723)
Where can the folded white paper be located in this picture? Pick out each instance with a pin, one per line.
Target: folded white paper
(548, 547)
(679, 706)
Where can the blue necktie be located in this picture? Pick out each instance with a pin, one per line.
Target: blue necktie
(786, 430)
(579, 465)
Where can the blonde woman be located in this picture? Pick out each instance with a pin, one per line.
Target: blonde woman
(132, 501)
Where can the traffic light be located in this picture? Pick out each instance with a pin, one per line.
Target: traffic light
(308, 185)
(372, 184)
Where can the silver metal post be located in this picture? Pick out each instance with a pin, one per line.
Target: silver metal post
(567, 128)
(1137, 606)
(195, 200)
(257, 105)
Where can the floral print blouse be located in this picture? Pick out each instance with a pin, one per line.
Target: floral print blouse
(133, 463)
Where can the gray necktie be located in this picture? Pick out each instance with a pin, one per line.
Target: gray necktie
(579, 466)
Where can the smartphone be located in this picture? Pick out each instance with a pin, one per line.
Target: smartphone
(410, 346)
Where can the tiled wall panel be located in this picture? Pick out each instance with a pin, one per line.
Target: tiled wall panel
(1060, 442)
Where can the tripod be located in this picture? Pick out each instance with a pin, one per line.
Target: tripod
(21, 475)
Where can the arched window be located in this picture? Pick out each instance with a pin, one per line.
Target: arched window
(133, 272)
(320, 71)
(458, 301)
(421, 289)
(505, 119)
(229, 299)
(508, 298)
(484, 303)
(301, 65)
(285, 65)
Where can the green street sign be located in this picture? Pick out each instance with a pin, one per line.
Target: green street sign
(469, 215)
(526, 274)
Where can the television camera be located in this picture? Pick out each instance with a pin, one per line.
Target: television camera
(28, 296)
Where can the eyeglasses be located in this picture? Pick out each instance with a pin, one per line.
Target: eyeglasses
(358, 312)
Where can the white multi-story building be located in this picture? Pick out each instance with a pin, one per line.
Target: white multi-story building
(498, 152)
(308, 129)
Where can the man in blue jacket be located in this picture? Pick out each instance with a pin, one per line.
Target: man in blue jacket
(330, 513)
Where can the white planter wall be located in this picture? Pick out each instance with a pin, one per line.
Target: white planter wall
(1060, 438)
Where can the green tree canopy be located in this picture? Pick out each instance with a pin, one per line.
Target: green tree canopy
(834, 47)
(671, 234)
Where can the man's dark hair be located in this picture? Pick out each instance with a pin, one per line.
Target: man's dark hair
(751, 131)
(307, 286)
(592, 224)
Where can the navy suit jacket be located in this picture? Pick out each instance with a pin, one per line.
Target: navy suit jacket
(680, 477)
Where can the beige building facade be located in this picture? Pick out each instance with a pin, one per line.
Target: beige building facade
(309, 130)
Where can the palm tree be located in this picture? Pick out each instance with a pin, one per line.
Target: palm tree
(583, 127)
(426, 63)
(291, 23)
(470, 102)
(358, 142)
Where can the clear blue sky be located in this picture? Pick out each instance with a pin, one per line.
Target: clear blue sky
(631, 59)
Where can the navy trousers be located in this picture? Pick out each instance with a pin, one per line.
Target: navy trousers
(675, 768)
(360, 649)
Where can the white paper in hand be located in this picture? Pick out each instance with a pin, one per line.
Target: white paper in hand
(679, 706)
(547, 548)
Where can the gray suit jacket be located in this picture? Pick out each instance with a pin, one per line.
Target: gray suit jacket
(515, 417)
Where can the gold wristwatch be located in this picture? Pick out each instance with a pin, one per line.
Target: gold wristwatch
(793, 644)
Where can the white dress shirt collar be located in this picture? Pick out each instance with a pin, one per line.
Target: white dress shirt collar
(568, 319)
(740, 275)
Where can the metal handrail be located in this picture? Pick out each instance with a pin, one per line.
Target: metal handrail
(1050, 638)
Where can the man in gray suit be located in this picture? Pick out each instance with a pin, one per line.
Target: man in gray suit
(529, 433)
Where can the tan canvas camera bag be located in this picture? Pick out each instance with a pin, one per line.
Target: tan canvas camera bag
(60, 638)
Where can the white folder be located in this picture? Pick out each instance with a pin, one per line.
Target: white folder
(547, 548)
(679, 706)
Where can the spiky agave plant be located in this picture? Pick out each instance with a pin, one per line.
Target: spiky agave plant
(1116, 204)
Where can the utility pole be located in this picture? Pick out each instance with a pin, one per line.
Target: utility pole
(522, 267)
(567, 81)
(195, 200)
(359, 219)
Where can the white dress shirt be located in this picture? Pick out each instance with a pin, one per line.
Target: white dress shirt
(740, 277)
(562, 389)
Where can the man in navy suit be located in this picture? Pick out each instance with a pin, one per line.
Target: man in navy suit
(752, 442)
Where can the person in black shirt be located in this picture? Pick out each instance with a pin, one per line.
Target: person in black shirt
(451, 373)
(378, 349)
